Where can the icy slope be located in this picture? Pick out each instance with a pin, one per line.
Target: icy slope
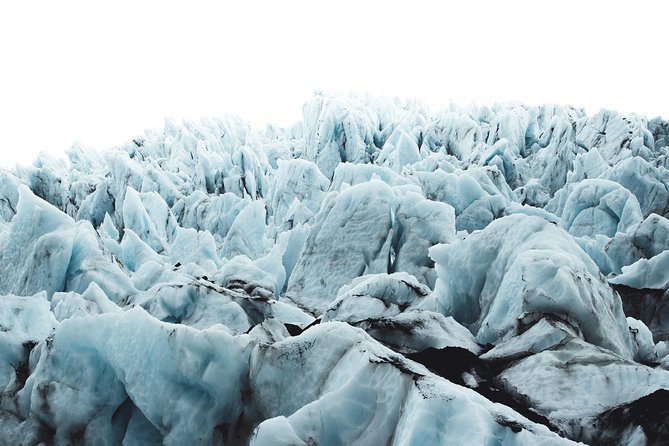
(375, 274)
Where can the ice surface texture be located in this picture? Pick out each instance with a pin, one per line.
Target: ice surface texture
(375, 274)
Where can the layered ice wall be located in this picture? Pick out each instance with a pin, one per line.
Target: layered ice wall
(375, 274)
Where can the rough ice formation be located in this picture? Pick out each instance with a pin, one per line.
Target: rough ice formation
(578, 373)
(521, 265)
(375, 274)
(354, 391)
(338, 130)
(113, 378)
(331, 256)
(44, 249)
(597, 207)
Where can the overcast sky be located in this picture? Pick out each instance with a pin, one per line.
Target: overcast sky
(76, 70)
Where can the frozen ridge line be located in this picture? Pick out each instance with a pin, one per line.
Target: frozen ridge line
(375, 274)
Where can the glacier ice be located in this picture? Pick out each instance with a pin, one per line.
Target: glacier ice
(362, 393)
(375, 274)
(524, 264)
(596, 206)
(104, 360)
(351, 236)
(573, 383)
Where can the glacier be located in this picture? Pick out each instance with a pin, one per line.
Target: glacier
(377, 273)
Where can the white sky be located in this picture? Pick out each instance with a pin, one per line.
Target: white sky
(78, 70)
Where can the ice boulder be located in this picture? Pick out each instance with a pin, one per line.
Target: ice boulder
(9, 195)
(375, 296)
(419, 225)
(91, 302)
(351, 236)
(476, 199)
(298, 180)
(338, 386)
(577, 386)
(552, 156)
(521, 264)
(44, 249)
(25, 321)
(399, 150)
(596, 206)
(613, 134)
(648, 183)
(338, 130)
(127, 371)
(149, 217)
(646, 273)
(35, 249)
(215, 214)
(191, 246)
(454, 133)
